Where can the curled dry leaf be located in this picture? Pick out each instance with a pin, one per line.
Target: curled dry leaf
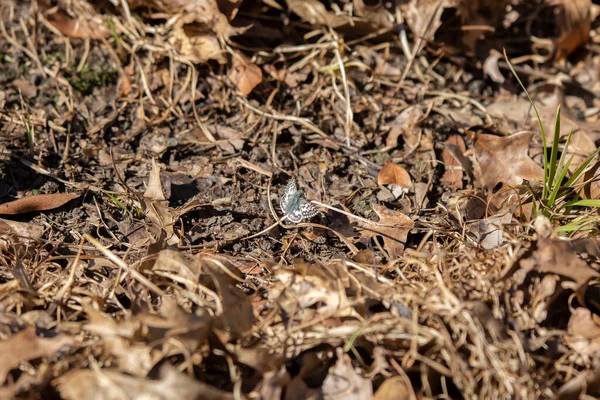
(584, 332)
(453, 158)
(395, 388)
(26, 346)
(88, 23)
(489, 231)
(245, 75)
(404, 125)
(574, 22)
(305, 286)
(344, 383)
(40, 202)
(393, 174)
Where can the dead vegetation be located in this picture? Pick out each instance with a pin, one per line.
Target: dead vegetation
(144, 149)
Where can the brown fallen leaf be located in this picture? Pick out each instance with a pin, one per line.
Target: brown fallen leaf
(28, 89)
(393, 174)
(315, 13)
(107, 383)
(395, 388)
(452, 178)
(405, 125)
(574, 20)
(489, 231)
(87, 24)
(561, 257)
(505, 160)
(42, 202)
(23, 229)
(244, 75)
(393, 227)
(27, 346)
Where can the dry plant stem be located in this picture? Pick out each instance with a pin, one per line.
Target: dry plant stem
(477, 104)
(123, 265)
(349, 114)
(417, 46)
(61, 294)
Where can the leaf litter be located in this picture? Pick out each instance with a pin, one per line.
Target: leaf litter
(434, 267)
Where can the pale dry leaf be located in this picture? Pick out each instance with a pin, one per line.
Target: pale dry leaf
(26, 346)
(584, 332)
(315, 13)
(343, 382)
(41, 202)
(154, 189)
(113, 385)
(23, 229)
(404, 125)
(245, 75)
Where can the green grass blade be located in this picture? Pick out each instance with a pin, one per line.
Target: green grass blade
(537, 114)
(557, 185)
(581, 169)
(584, 203)
(554, 151)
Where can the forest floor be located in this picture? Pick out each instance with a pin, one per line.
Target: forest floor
(440, 240)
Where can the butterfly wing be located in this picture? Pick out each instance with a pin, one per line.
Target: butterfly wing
(304, 211)
(288, 193)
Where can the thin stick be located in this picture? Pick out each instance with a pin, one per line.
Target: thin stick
(123, 265)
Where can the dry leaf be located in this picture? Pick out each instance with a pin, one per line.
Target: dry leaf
(41, 202)
(451, 157)
(584, 332)
(393, 174)
(88, 24)
(556, 256)
(393, 227)
(80, 384)
(28, 89)
(344, 383)
(404, 125)
(504, 160)
(245, 75)
(489, 231)
(575, 22)
(395, 388)
(27, 346)
(315, 13)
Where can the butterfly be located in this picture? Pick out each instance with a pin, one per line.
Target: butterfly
(293, 204)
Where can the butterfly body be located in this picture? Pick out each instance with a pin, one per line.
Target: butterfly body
(294, 206)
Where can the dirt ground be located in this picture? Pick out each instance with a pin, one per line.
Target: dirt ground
(284, 199)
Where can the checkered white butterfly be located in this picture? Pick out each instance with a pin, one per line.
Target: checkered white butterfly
(294, 206)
